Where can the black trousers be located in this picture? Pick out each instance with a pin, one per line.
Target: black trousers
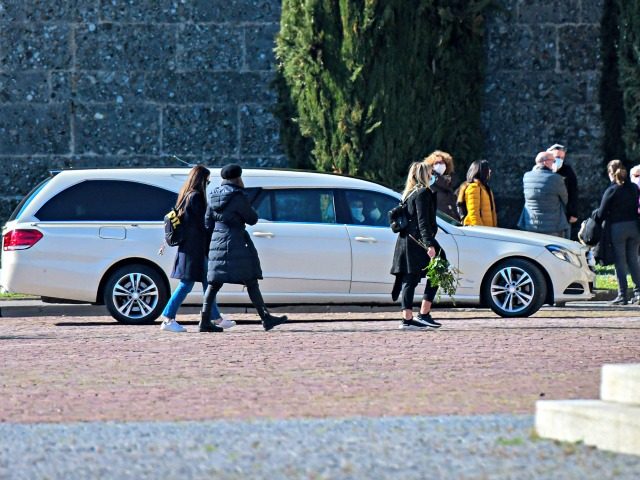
(213, 288)
(409, 283)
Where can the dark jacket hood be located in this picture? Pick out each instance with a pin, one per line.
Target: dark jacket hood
(222, 195)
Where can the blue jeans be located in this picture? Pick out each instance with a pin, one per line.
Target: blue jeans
(178, 296)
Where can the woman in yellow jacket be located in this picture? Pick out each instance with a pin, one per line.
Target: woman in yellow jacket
(477, 197)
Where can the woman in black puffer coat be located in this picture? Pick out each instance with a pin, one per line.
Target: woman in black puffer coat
(190, 264)
(232, 256)
(416, 246)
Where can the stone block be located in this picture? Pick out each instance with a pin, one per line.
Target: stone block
(109, 86)
(48, 10)
(259, 131)
(200, 130)
(35, 46)
(210, 87)
(260, 42)
(606, 425)
(32, 129)
(234, 11)
(579, 126)
(136, 11)
(506, 87)
(528, 48)
(110, 128)
(19, 175)
(592, 11)
(24, 87)
(549, 11)
(210, 47)
(579, 47)
(60, 87)
(110, 46)
(621, 383)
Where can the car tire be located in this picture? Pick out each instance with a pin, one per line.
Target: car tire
(514, 288)
(135, 294)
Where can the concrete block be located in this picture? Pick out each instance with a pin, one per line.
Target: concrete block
(31, 87)
(621, 383)
(108, 86)
(260, 42)
(47, 10)
(579, 47)
(111, 128)
(591, 11)
(35, 46)
(149, 11)
(260, 132)
(32, 129)
(606, 425)
(210, 47)
(200, 129)
(110, 46)
(235, 11)
(520, 47)
(548, 11)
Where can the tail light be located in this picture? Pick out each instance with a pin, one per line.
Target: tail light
(20, 239)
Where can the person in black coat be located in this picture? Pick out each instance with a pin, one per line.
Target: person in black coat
(415, 247)
(562, 168)
(443, 167)
(619, 208)
(190, 264)
(232, 256)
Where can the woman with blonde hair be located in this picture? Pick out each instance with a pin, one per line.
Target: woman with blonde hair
(619, 208)
(443, 168)
(477, 197)
(415, 246)
(190, 265)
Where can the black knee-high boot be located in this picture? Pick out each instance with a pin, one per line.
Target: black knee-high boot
(206, 325)
(268, 321)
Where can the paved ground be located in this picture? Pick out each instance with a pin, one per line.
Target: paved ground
(84, 368)
(332, 395)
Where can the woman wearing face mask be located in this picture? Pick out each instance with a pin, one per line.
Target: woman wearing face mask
(415, 247)
(442, 164)
(619, 208)
(478, 197)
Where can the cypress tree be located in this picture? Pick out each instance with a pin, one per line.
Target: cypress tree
(629, 65)
(377, 84)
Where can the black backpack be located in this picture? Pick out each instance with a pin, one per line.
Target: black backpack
(399, 217)
(173, 229)
(590, 231)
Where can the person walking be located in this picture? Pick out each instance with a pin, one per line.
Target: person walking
(190, 263)
(443, 167)
(562, 168)
(477, 197)
(232, 256)
(415, 246)
(545, 199)
(619, 208)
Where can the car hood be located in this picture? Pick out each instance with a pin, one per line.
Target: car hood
(519, 236)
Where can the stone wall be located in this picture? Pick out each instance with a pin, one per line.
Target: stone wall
(131, 82)
(543, 74)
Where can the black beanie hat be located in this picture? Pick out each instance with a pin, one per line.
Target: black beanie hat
(231, 171)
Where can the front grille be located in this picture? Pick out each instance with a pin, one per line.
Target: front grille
(574, 289)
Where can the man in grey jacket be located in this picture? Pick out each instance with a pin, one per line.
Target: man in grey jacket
(545, 199)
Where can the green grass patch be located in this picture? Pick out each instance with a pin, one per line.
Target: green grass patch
(510, 442)
(606, 278)
(16, 296)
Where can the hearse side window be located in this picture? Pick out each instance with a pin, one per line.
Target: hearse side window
(296, 205)
(108, 200)
(369, 208)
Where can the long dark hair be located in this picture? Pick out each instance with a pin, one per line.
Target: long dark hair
(479, 170)
(196, 182)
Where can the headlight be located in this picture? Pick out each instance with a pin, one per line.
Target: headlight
(566, 255)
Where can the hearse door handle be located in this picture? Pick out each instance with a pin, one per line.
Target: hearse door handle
(365, 239)
(263, 234)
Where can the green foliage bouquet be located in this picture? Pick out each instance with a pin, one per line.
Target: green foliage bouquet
(444, 275)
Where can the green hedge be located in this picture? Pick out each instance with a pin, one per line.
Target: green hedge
(373, 85)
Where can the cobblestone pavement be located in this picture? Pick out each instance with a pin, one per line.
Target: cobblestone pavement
(65, 368)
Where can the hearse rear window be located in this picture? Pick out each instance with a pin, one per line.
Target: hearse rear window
(108, 200)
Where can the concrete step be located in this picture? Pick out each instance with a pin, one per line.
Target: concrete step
(621, 383)
(605, 425)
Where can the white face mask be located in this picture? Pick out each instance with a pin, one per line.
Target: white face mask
(356, 212)
(558, 163)
(439, 168)
(375, 214)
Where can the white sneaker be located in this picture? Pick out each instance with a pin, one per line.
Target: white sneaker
(226, 322)
(170, 325)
